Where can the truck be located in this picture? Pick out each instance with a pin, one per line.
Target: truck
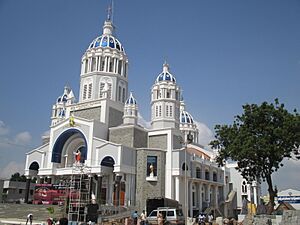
(154, 203)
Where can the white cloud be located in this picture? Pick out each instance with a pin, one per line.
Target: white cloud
(205, 135)
(22, 138)
(143, 122)
(10, 169)
(3, 128)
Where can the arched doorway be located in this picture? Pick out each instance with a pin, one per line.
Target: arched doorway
(33, 173)
(66, 145)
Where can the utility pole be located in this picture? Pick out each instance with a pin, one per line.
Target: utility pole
(188, 140)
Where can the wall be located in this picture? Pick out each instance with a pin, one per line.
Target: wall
(149, 189)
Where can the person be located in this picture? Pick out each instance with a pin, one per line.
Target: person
(210, 219)
(160, 219)
(77, 156)
(29, 219)
(143, 218)
(63, 221)
(201, 219)
(135, 217)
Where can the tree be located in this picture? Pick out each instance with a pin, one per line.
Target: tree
(258, 141)
(18, 177)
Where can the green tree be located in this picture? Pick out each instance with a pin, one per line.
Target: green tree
(258, 141)
(18, 177)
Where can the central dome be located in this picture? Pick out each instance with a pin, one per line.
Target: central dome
(165, 75)
(107, 40)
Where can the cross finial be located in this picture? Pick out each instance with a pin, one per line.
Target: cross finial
(110, 12)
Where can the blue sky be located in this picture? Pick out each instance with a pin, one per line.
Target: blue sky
(223, 54)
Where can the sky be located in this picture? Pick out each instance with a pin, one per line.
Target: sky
(223, 54)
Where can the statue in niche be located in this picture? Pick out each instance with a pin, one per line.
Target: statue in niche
(151, 167)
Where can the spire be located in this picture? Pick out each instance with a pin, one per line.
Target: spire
(108, 24)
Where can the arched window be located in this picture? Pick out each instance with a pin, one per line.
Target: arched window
(185, 167)
(206, 174)
(215, 176)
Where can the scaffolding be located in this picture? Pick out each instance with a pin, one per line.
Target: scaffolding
(79, 192)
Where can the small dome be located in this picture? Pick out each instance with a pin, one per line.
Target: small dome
(165, 75)
(131, 100)
(186, 118)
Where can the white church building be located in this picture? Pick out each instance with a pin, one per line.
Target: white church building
(125, 162)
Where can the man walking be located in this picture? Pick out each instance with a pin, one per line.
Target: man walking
(29, 219)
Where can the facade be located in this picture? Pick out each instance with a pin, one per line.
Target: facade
(125, 162)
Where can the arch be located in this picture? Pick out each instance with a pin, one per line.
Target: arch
(108, 161)
(34, 166)
(184, 166)
(60, 143)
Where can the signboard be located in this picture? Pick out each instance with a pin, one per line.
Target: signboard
(289, 199)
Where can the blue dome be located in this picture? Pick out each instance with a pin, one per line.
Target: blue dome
(105, 41)
(131, 100)
(165, 75)
(186, 118)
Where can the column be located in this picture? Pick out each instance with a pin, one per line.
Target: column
(177, 195)
(190, 204)
(254, 193)
(99, 189)
(27, 188)
(216, 196)
(200, 197)
(91, 187)
(208, 194)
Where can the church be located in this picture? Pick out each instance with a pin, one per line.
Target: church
(98, 138)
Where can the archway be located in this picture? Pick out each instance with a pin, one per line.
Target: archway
(67, 143)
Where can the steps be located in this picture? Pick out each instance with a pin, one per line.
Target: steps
(20, 211)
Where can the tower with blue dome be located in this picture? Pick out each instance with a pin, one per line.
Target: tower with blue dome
(165, 100)
(130, 111)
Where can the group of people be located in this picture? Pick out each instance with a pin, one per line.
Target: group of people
(142, 217)
(202, 218)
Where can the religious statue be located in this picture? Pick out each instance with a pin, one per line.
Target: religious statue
(151, 167)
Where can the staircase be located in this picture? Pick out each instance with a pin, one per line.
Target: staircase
(19, 212)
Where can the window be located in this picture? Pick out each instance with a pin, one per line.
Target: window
(120, 67)
(215, 176)
(109, 91)
(102, 63)
(20, 191)
(151, 166)
(93, 64)
(111, 65)
(170, 213)
(198, 172)
(90, 90)
(156, 111)
(101, 89)
(159, 112)
(123, 95)
(184, 167)
(171, 111)
(167, 110)
(119, 93)
(168, 94)
(85, 66)
(206, 175)
(84, 91)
